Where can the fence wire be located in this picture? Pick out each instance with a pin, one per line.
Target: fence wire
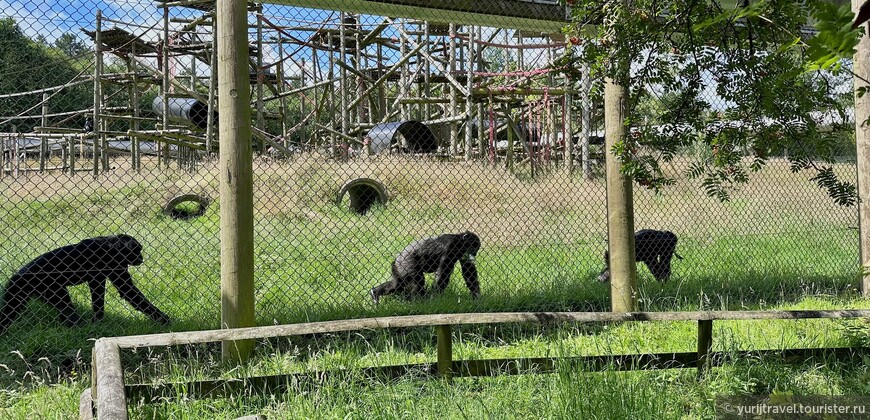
(371, 134)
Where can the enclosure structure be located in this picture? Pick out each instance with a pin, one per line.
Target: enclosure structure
(492, 94)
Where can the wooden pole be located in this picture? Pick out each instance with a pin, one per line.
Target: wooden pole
(344, 85)
(862, 136)
(135, 152)
(444, 336)
(162, 154)
(620, 211)
(469, 104)
(453, 92)
(212, 90)
(111, 399)
(43, 145)
(568, 137)
(3, 157)
(282, 84)
(585, 122)
(16, 157)
(509, 154)
(427, 69)
(71, 154)
(261, 74)
(236, 176)
(705, 345)
(98, 94)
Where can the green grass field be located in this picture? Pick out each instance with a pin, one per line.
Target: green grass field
(780, 243)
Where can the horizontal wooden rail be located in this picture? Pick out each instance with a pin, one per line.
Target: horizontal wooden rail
(218, 388)
(194, 337)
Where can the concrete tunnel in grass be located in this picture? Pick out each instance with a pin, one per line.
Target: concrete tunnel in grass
(363, 194)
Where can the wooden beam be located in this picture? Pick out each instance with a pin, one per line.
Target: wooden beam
(193, 337)
(218, 388)
(535, 16)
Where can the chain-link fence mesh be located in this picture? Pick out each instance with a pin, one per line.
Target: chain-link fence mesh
(370, 133)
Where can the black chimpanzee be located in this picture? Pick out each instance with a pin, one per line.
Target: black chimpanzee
(432, 255)
(90, 261)
(653, 247)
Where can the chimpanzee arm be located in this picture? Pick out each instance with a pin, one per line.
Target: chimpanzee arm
(98, 296)
(123, 281)
(469, 273)
(442, 274)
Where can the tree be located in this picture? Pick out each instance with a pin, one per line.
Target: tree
(26, 65)
(70, 45)
(754, 56)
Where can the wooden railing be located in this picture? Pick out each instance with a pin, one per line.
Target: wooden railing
(110, 393)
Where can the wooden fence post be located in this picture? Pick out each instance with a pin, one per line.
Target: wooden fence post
(111, 400)
(444, 335)
(705, 345)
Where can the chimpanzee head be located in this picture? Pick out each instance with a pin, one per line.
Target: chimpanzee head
(129, 250)
(470, 244)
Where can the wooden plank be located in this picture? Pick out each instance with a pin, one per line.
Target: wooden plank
(150, 393)
(111, 399)
(192, 337)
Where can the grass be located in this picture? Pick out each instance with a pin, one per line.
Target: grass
(780, 243)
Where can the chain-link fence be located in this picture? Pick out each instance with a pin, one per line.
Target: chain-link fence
(370, 133)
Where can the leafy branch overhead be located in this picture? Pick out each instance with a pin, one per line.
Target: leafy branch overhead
(734, 87)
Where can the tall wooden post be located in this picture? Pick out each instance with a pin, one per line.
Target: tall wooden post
(236, 176)
(212, 81)
(586, 110)
(454, 100)
(98, 91)
(469, 100)
(3, 141)
(620, 211)
(135, 150)
(43, 143)
(861, 67)
(261, 75)
(163, 148)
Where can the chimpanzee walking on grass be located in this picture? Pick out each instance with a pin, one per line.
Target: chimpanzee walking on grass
(90, 261)
(655, 248)
(432, 255)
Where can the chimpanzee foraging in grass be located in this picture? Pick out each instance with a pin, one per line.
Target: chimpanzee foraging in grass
(655, 248)
(432, 255)
(90, 261)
